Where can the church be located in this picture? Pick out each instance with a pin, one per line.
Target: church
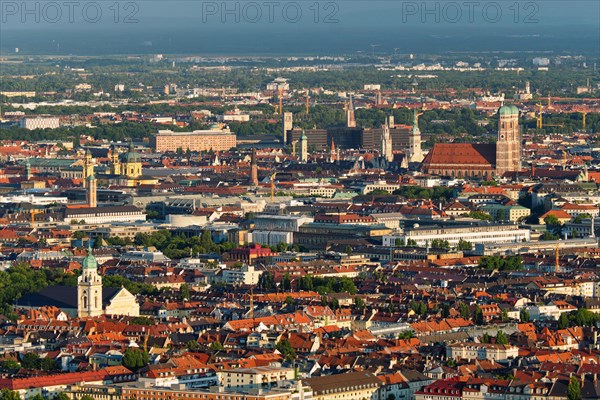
(88, 299)
(125, 169)
(485, 161)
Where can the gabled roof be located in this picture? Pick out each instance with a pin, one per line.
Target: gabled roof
(461, 154)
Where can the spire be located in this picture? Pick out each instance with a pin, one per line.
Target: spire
(350, 120)
(89, 262)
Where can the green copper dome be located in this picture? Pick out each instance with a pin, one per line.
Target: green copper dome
(131, 156)
(89, 262)
(508, 110)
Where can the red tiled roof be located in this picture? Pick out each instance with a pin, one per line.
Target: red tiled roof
(462, 153)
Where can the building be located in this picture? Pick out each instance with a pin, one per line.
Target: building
(249, 254)
(255, 378)
(348, 386)
(476, 234)
(40, 122)
(274, 229)
(88, 299)
(215, 139)
(303, 148)
(89, 288)
(386, 143)
(100, 215)
(482, 351)
(415, 154)
(511, 213)
(466, 160)
(245, 275)
(137, 392)
(288, 124)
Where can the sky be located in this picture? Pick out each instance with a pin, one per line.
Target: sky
(297, 27)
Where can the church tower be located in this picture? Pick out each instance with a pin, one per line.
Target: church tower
(508, 145)
(89, 287)
(350, 120)
(88, 167)
(91, 192)
(303, 147)
(288, 125)
(415, 155)
(254, 169)
(28, 173)
(386, 143)
(115, 164)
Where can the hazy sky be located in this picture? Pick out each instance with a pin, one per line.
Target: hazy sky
(298, 26)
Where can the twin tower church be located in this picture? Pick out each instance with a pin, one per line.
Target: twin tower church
(464, 160)
(88, 299)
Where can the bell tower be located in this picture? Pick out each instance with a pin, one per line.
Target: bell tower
(508, 145)
(89, 287)
(88, 167)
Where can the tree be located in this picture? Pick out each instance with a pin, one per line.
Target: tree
(135, 359)
(486, 338)
(524, 315)
(286, 283)
(7, 394)
(266, 281)
(440, 244)
(574, 390)
(480, 215)
(463, 310)
(348, 249)
(501, 338)
(445, 310)
(192, 345)
(552, 221)
(478, 316)
(184, 292)
(48, 364)
(563, 321)
(583, 216)
(290, 302)
(31, 361)
(10, 366)
(216, 346)
(463, 245)
(284, 347)
(408, 334)
(359, 304)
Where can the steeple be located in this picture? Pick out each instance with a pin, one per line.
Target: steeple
(508, 145)
(89, 287)
(88, 167)
(386, 142)
(415, 154)
(28, 173)
(303, 147)
(350, 121)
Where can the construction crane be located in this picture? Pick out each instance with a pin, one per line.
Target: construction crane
(280, 91)
(33, 213)
(273, 186)
(251, 304)
(306, 102)
(539, 121)
(557, 259)
(538, 118)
